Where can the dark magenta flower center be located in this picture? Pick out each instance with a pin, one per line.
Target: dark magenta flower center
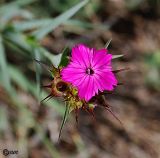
(89, 71)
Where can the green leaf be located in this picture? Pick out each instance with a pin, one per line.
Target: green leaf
(65, 58)
(24, 43)
(31, 24)
(117, 56)
(11, 10)
(4, 67)
(39, 34)
(19, 78)
(36, 23)
(18, 3)
(16, 12)
(38, 72)
(19, 40)
(64, 119)
(4, 124)
(54, 59)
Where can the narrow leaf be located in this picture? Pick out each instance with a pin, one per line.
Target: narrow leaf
(23, 43)
(4, 124)
(4, 68)
(64, 119)
(38, 72)
(19, 40)
(32, 24)
(16, 12)
(117, 56)
(18, 3)
(39, 23)
(65, 58)
(20, 79)
(39, 34)
(44, 65)
(108, 43)
(54, 59)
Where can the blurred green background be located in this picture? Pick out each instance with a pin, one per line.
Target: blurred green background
(40, 29)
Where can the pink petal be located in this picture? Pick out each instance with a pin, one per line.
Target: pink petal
(87, 90)
(97, 81)
(108, 80)
(76, 65)
(102, 51)
(70, 75)
(90, 92)
(78, 82)
(82, 88)
(82, 55)
(104, 69)
(101, 60)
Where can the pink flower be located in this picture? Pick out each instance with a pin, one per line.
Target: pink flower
(90, 71)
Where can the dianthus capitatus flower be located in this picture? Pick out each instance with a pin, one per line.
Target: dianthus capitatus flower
(84, 81)
(90, 71)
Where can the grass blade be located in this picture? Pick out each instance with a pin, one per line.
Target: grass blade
(38, 72)
(64, 119)
(18, 3)
(31, 24)
(19, 78)
(54, 59)
(25, 48)
(23, 43)
(36, 23)
(19, 40)
(39, 34)
(4, 68)
(16, 12)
